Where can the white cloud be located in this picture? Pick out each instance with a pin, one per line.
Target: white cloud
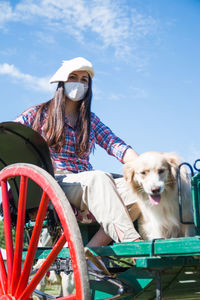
(6, 12)
(113, 24)
(36, 83)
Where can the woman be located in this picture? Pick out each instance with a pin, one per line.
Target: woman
(71, 131)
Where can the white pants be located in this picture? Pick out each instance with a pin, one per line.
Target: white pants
(108, 199)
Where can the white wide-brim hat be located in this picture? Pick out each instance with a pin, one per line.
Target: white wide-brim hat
(68, 66)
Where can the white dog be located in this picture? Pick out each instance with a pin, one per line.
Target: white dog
(153, 177)
(64, 281)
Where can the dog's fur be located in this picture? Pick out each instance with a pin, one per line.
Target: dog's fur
(153, 177)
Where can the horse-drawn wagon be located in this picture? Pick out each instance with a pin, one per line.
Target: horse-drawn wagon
(32, 200)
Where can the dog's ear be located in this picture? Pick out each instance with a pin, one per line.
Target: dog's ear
(128, 171)
(174, 161)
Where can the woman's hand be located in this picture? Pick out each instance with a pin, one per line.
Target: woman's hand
(129, 155)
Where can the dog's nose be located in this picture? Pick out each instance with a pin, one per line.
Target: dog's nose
(156, 190)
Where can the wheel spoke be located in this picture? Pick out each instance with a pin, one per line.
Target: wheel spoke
(44, 268)
(3, 276)
(7, 230)
(19, 233)
(33, 245)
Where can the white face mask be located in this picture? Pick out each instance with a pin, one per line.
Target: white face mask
(75, 91)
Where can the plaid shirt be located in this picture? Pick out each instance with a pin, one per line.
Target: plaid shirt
(66, 158)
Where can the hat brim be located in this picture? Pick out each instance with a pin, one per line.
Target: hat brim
(69, 66)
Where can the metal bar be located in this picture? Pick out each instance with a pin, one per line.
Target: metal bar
(7, 230)
(179, 191)
(32, 245)
(196, 201)
(17, 262)
(158, 286)
(195, 165)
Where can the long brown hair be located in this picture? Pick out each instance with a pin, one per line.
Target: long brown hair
(54, 124)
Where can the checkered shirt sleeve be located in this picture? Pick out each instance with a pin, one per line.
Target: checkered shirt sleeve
(107, 139)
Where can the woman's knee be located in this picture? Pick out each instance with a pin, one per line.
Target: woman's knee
(98, 176)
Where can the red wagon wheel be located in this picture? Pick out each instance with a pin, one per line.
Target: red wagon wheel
(14, 279)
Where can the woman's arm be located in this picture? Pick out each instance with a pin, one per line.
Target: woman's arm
(109, 141)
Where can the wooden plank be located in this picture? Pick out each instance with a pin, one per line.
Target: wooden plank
(161, 247)
(160, 262)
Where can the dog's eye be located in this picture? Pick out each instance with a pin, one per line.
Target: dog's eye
(143, 172)
(160, 171)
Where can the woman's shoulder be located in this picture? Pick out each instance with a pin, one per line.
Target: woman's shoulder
(92, 114)
(28, 115)
(94, 120)
(94, 117)
(31, 110)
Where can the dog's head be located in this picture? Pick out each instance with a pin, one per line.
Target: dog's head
(152, 173)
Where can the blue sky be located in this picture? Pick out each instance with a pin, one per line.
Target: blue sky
(146, 59)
